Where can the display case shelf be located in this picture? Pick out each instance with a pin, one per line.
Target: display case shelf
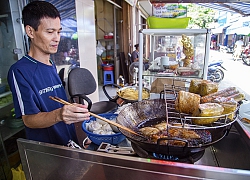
(176, 44)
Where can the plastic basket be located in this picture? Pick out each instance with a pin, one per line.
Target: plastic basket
(113, 139)
(167, 23)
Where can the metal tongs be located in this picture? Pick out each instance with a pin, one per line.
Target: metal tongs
(106, 147)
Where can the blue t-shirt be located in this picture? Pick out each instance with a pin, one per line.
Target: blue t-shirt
(31, 83)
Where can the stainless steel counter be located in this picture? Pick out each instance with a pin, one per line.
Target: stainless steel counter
(227, 159)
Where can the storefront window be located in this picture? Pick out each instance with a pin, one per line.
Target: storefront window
(67, 56)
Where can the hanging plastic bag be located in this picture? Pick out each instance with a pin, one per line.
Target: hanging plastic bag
(18, 173)
(99, 49)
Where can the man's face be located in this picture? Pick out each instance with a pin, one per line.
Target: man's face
(47, 36)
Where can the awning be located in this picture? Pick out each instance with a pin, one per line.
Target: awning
(66, 8)
(241, 27)
(220, 29)
(69, 23)
(239, 7)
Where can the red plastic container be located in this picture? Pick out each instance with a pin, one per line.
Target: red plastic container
(106, 67)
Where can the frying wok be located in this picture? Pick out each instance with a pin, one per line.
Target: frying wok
(144, 111)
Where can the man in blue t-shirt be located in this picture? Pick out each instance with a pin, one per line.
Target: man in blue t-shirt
(34, 78)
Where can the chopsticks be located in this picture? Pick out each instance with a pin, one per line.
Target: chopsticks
(97, 116)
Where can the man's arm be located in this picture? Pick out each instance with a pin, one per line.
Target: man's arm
(68, 113)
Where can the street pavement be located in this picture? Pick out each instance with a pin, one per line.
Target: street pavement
(236, 75)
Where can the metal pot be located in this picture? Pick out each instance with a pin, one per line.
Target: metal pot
(137, 113)
(127, 100)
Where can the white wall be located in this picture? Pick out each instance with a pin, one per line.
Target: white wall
(85, 13)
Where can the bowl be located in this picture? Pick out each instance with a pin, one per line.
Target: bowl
(113, 139)
(167, 23)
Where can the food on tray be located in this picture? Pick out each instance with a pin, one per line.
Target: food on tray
(237, 97)
(187, 71)
(221, 93)
(132, 94)
(187, 102)
(207, 110)
(202, 87)
(208, 87)
(173, 66)
(229, 107)
(195, 86)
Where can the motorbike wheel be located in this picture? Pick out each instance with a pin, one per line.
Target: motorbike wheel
(246, 60)
(217, 76)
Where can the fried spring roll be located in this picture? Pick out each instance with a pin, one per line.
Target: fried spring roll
(225, 92)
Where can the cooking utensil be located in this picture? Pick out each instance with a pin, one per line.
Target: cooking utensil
(137, 113)
(106, 147)
(99, 117)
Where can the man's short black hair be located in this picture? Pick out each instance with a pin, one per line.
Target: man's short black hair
(33, 12)
(137, 45)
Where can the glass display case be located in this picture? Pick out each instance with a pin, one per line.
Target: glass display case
(175, 53)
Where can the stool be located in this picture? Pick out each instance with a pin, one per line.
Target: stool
(108, 77)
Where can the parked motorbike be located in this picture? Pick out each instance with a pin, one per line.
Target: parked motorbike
(245, 55)
(215, 71)
(227, 49)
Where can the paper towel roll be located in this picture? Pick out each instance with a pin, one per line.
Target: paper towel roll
(164, 61)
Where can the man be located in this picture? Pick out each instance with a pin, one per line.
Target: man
(34, 78)
(135, 54)
(238, 48)
(135, 57)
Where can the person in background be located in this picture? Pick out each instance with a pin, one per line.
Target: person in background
(33, 79)
(135, 57)
(213, 42)
(238, 48)
(135, 54)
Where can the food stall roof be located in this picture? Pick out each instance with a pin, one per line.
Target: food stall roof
(241, 8)
(67, 7)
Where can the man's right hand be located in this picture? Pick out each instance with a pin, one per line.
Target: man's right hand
(74, 113)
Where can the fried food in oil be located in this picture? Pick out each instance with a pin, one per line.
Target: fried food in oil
(149, 131)
(162, 126)
(183, 133)
(159, 131)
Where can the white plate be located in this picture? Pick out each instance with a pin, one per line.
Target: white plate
(165, 74)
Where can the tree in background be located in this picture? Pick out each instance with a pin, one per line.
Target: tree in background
(202, 17)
